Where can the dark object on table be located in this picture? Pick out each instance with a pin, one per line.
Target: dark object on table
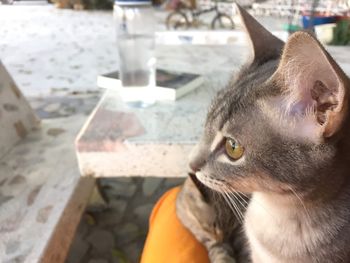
(171, 85)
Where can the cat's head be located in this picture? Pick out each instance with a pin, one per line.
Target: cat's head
(281, 122)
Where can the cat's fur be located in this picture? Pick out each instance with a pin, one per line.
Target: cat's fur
(288, 107)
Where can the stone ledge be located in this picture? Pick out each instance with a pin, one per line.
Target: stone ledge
(41, 194)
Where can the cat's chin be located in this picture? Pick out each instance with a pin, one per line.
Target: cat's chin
(210, 182)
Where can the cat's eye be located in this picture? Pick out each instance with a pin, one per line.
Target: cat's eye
(233, 149)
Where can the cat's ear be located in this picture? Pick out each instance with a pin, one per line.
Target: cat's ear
(315, 86)
(264, 45)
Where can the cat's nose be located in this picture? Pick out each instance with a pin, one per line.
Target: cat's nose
(196, 165)
(196, 159)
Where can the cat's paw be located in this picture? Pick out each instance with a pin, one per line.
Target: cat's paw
(224, 259)
(196, 213)
(221, 253)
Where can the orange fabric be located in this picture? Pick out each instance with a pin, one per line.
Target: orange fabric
(168, 241)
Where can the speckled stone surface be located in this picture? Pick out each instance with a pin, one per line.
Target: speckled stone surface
(159, 137)
(59, 51)
(17, 119)
(38, 180)
(50, 51)
(156, 141)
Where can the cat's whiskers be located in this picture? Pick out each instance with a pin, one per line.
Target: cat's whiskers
(233, 198)
(241, 198)
(224, 195)
(301, 201)
(256, 201)
(237, 198)
(242, 194)
(233, 201)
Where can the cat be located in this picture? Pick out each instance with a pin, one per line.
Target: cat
(276, 150)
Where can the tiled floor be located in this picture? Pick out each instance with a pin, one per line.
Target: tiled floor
(116, 232)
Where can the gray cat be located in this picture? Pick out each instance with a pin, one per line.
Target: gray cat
(275, 149)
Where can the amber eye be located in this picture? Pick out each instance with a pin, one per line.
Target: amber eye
(233, 149)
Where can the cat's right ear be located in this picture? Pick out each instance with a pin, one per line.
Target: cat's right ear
(315, 93)
(264, 45)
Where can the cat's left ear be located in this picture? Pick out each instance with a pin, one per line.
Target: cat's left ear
(314, 84)
(264, 45)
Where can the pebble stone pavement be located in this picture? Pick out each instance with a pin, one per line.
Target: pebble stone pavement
(54, 56)
(55, 63)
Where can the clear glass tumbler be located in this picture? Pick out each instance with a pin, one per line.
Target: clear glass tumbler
(135, 24)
